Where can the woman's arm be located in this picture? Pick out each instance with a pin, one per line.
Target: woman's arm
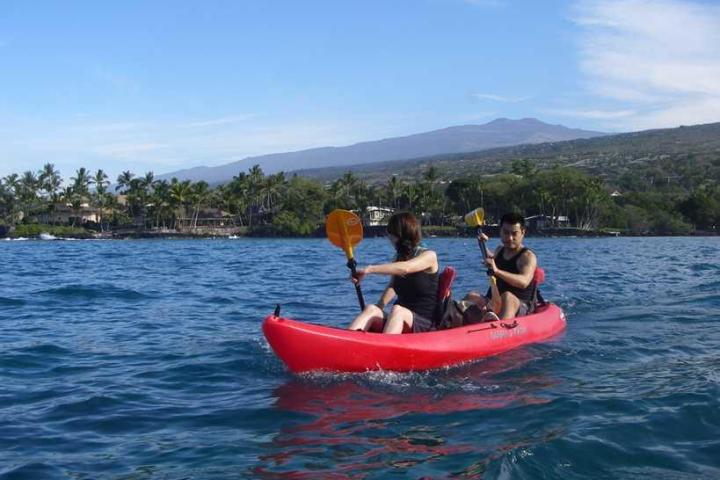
(387, 296)
(425, 261)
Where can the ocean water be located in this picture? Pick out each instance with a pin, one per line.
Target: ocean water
(145, 360)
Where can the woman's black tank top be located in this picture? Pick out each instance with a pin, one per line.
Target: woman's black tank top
(417, 291)
(510, 265)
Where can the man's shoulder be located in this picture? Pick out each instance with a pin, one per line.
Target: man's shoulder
(527, 254)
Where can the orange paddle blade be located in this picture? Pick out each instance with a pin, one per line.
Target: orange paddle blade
(475, 218)
(344, 230)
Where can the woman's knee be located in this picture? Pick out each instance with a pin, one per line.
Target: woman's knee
(399, 317)
(509, 298)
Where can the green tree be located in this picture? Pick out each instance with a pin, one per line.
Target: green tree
(523, 168)
(302, 207)
(702, 208)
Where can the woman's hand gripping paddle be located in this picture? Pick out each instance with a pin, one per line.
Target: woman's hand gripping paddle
(344, 230)
(476, 218)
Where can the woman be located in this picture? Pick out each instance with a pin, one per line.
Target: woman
(414, 281)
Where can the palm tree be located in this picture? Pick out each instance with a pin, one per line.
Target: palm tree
(161, 202)
(50, 181)
(272, 188)
(393, 187)
(180, 194)
(342, 191)
(12, 181)
(411, 195)
(8, 202)
(239, 189)
(11, 196)
(199, 193)
(81, 181)
(100, 180)
(28, 193)
(147, 183)
(254, 181)
(227, 201)
(71, 197)
(123, 181)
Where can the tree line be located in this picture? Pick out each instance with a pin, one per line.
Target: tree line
(295, 205)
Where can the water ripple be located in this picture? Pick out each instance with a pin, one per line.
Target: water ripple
(144, 359)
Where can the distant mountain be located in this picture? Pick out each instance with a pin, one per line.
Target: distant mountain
(686, 155)
(460, 139)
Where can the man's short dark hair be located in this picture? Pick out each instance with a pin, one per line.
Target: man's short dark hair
(513, 218)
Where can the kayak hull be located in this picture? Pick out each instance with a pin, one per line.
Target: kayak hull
(305, 347)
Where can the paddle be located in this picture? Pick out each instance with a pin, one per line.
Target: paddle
(344, 230)
(476, 218)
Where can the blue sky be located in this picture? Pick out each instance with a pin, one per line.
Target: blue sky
(163, 85)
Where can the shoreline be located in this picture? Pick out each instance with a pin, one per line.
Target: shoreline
(370, 232)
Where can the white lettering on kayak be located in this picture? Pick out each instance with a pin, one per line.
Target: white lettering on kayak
(512, 332)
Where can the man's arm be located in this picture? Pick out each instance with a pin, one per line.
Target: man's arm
(485, 238)
(526, 264)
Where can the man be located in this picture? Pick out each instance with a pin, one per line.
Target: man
(513, 266)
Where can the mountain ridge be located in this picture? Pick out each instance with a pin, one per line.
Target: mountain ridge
(679, 150)
(501, 132)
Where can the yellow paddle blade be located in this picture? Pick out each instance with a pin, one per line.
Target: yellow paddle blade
(344, 230)
(475, 218)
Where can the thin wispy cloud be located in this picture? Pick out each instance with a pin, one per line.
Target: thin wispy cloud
(661, 58)
(500, 98)
(592, 114)
(126, 150)
(112, 127)
(215, 122)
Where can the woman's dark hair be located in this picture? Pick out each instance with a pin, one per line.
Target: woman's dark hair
(406, 228)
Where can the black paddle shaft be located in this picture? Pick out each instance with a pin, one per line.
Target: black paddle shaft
(352, 265)
(483, 250)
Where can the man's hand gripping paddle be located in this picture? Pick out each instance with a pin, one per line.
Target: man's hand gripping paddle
(476, 218)
(344, 230)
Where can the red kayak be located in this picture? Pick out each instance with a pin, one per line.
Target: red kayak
(306, 347)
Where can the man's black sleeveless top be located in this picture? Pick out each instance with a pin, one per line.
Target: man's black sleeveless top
(417, 291)
(523, 294)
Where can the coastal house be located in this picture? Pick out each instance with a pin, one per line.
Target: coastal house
(539, 222)
(375, 216)
(207, 217)
(65, 214)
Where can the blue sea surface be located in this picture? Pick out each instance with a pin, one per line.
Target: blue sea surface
(145, 360)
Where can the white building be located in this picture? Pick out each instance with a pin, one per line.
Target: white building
(377, 215)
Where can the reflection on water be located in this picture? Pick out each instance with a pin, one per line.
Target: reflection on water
(352, 426)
